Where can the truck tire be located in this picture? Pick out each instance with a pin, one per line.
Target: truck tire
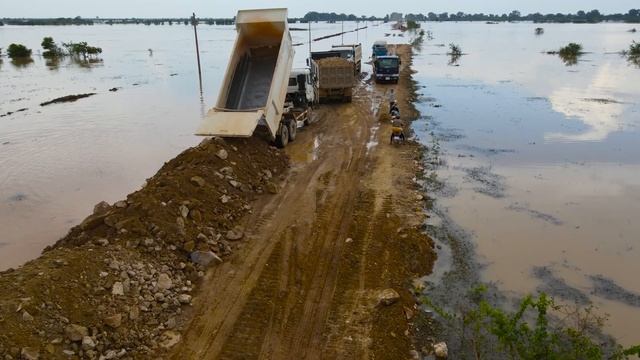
(282, 137)
(293, 130)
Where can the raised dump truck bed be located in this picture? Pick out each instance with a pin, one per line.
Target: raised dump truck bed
(255, 84)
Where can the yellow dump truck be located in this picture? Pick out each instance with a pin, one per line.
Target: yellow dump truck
(255, 84)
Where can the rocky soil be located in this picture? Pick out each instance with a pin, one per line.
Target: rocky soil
(117, 285)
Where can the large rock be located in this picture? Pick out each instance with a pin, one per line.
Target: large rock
(113, 321)
(118, 288)
(222, 154)
(28, 353)
(388, 297)
(236, 234)
(88, 343)
(440, 350)
(26, 316)
(184, 298)
(170, 339)
(198, 181)
(101, 207)
(272, 188)
(75, 332)
(205, 258)
(164, 281)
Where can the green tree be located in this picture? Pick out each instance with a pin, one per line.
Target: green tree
(18, 51)
(51, 49)
(82, 49)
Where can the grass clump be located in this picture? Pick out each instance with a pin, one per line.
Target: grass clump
(537, 328)
(539, 31)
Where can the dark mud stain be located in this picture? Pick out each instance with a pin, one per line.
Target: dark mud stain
(537, 98)
(68, 98)
(557, 287)
(18, 197)
(486, 182)
(602, 101)
(524, 208)
(450, 134)
(608, 289)
(13, 112)
(3, 244)
(486, 151)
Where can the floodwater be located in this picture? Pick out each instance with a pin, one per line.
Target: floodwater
(540, 160)
(58, 161)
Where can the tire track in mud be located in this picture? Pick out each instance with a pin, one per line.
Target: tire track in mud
(298, 289)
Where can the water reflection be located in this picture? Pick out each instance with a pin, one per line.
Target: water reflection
(570, 180)
(591, 105)
(22, 62)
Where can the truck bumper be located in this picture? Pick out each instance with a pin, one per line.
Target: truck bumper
(387, 77)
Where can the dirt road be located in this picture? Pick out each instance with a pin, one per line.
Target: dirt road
(344, 227)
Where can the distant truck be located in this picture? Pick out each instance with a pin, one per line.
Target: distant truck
(254, 88)
(335, 72)
(387, 68)
(379, 48)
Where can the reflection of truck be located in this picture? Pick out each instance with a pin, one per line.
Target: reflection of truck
(255, 83)
(387, 68)
(379, 49)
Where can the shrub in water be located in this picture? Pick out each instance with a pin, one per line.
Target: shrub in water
(18, 51)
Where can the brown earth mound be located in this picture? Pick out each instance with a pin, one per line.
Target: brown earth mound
(116, 285)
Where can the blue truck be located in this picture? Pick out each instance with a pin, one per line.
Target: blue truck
(387, 68)
(379, 49)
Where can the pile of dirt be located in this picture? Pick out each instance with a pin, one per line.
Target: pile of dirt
(117, 284)
(334, 62)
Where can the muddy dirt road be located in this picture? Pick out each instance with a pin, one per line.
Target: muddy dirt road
(344, 227)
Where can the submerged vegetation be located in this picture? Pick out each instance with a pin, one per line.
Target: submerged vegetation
(537, 329)
(633, 54)
(82, 50)
(18, 51)
(413, 25)
(539, 31)
(569, 53)
(455, 52)
(51, 50)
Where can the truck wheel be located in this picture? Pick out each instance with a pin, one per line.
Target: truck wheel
(282, 137)
(293, 130)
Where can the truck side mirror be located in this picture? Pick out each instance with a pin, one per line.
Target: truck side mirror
(307, 61)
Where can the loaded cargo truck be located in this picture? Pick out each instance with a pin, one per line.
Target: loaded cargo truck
(254, 87)
(335, 72)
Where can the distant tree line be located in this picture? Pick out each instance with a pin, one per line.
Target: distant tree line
(54, 21)
(318, 16)
(593, 16)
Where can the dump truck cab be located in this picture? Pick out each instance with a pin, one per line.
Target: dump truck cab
(387, 68)
(300, 90)
(379, 49)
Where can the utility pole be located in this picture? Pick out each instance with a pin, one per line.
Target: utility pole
(309, 39)
(194, 22)
(342, 32)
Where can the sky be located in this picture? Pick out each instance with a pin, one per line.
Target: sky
(297, 8)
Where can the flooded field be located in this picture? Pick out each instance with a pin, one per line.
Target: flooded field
(539, 167)
(58, 161)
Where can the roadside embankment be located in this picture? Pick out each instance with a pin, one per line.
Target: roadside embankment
(117, 284)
